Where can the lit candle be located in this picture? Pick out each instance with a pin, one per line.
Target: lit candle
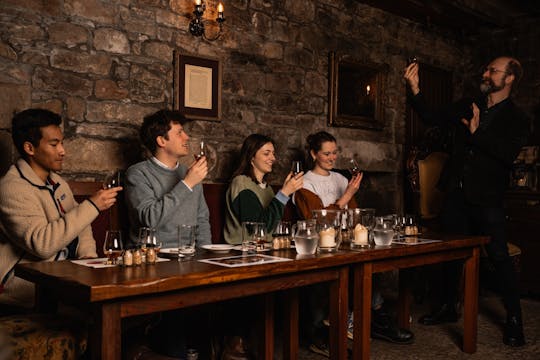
(198, 2)
(368, 89)
(220, 11)
(360, 235)
(327, 237)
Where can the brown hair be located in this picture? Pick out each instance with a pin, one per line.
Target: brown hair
(158, 124)
(251, 145)
(314, 142)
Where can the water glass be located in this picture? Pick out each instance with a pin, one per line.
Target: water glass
(251, 235)
(112, 246)
(187, 237)
(383, 232)
(306, 238)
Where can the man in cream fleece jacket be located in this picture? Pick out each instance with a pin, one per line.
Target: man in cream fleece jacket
(40, 219)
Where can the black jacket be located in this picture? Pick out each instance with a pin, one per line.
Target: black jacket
(480, 163)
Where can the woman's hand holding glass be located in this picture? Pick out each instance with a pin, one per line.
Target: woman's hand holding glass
(352, 188)
(293, 183)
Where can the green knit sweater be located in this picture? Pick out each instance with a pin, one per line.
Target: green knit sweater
(248, 201)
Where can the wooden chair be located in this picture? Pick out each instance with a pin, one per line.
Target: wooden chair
(430, 197)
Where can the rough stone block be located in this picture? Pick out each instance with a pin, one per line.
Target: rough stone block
(95, 10)
(7, 151)
(54, 105)
(117, 112)
(108, 89)
(67, 33)
(87, 155)
(81, 62)
(76, 107)
(59, 81)
(111, 40)
(13, 98)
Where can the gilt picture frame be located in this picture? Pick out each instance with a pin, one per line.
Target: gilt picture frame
(356, 93)
(197, 87)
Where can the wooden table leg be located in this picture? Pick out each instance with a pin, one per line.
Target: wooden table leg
(106, 332)
(362, 309)
(404, 298)
(266, 345)
(470, 302)
(290, 325)
(339, 290)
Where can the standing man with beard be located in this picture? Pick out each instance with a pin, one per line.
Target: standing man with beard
(485, 138)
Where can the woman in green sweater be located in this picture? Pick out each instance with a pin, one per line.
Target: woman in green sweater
(249, 197)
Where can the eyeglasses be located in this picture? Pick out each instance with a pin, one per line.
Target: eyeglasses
(492, 70)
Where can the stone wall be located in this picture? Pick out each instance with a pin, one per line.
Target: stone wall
(105, 64)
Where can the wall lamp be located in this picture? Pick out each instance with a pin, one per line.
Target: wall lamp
(196, 25)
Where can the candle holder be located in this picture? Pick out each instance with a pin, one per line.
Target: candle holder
(196, 25)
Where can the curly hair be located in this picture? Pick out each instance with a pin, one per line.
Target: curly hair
(158, 124)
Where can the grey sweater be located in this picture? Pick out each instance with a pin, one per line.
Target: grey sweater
(157, 198)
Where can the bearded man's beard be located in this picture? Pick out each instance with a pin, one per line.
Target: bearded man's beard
(487, 86)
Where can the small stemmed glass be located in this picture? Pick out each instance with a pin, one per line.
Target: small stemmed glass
(354, 168)
(114, 179)
(112, 246)
(199, 151)
(296, 167)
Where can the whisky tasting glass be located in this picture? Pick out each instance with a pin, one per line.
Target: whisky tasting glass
(114, 179)
(112, 246)
(296, 167)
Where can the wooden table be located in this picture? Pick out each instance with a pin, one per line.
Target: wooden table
(116, 293)
(406, 256)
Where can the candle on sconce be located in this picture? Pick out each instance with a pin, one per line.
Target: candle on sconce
(220, 11)
(368, 89)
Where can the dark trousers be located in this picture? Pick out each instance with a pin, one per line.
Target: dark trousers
(461, 217)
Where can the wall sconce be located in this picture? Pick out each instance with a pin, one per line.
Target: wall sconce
(196, 26)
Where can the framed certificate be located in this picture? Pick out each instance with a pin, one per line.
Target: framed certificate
(197, 87)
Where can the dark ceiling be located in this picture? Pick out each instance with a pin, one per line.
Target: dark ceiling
(464, 16)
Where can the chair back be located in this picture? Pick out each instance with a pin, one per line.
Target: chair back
(429, 171)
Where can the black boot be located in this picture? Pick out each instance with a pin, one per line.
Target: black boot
(384, 329)
(445, 314)
(513, 332)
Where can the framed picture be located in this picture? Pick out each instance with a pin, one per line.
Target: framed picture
(197, 87)
(356, 91)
